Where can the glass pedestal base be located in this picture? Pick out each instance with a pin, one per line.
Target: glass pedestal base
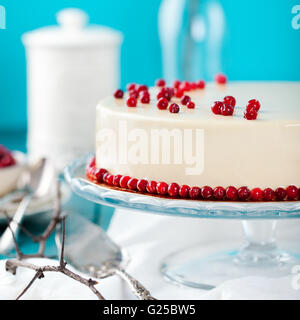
(207, 266)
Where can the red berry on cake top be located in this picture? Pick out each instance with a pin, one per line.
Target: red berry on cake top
(185, 100)
(251, 114)
(191, 105)
(176, 84)
(178, 93)
(200, 84)
(216, 108)
(229, 100)
(142, 87)
(185, 86)
(118, 94)
(227, 110)
(174, 108)
(253, 103)
(131, 102)
(221, 78)
(162, 104)
(130, 86)
(160, 82)
(145, 98)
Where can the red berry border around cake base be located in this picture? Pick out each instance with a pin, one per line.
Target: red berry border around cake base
(175, 191)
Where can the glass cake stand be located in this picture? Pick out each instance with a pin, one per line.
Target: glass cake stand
(207, 266)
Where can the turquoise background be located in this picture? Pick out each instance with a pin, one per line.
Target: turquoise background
(259, 43)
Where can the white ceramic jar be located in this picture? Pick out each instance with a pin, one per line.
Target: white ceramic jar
(69, 68)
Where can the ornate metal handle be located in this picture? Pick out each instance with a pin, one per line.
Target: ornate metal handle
(137, 288)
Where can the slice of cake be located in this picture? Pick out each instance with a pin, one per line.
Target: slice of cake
(239, 141)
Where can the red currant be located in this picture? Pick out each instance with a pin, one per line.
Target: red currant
(132, 184)
(280, 194)
(268, 194)
(162, 188)
(162, 103)
(184, 191)
(151, 187)
(207, 192)
(231, 193)
(243, 193)
(123, 181)
(142, 185)
(292, 192)
(173, 189)
(219, 193)
(131, 102)
(216, 108)
(174, 108)
(191, 105)
(229, 100)
(185, 100)
(256, 194)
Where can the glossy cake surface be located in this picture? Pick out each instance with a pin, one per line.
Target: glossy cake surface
(198, 148)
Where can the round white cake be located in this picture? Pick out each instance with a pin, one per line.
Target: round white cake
(196, 147)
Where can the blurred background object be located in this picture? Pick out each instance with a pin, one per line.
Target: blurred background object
(69, 69)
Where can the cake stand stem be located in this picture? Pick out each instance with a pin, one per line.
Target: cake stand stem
(260, 244)
(205, 266)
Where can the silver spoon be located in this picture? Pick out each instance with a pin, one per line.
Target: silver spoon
(37, 183)
(89, 249)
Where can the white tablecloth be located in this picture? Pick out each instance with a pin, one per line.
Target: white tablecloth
(148, 239)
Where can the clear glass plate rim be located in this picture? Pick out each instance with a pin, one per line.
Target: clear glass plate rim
(181, 207)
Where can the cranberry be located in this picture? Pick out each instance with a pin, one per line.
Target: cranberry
(229, 100)
(108, 178)
(243, 193)
(141, 185)
(191, 105)
(133, 94)
(292, 192)
(200, 84)
(193, 85)
(227, 110)
(184, 191)
(253, 103)
(221, 78)
(132, 184)
(185, 100)
(141, 88)
(231, 193)
(280, 194)
(176, 84)
(123, 181)
(216, 108)
(178, 93)
(160, 82)
(256, 194)
(119, 94)
(207, 192)
(162, 188)
(151, 187)
(145, 98)
(90, 172)
(131, 102)
(116, 181)
(131, 86)
(173, 189)
(251, 114)
(174, 108)
(268, 194)
(195, 193)
(162, 103)
(219, 193)
(99, 173)
(185, 86)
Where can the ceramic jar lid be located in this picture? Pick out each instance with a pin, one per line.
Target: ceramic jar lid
(72, 31)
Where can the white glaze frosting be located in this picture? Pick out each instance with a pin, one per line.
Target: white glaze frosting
(259, 153)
